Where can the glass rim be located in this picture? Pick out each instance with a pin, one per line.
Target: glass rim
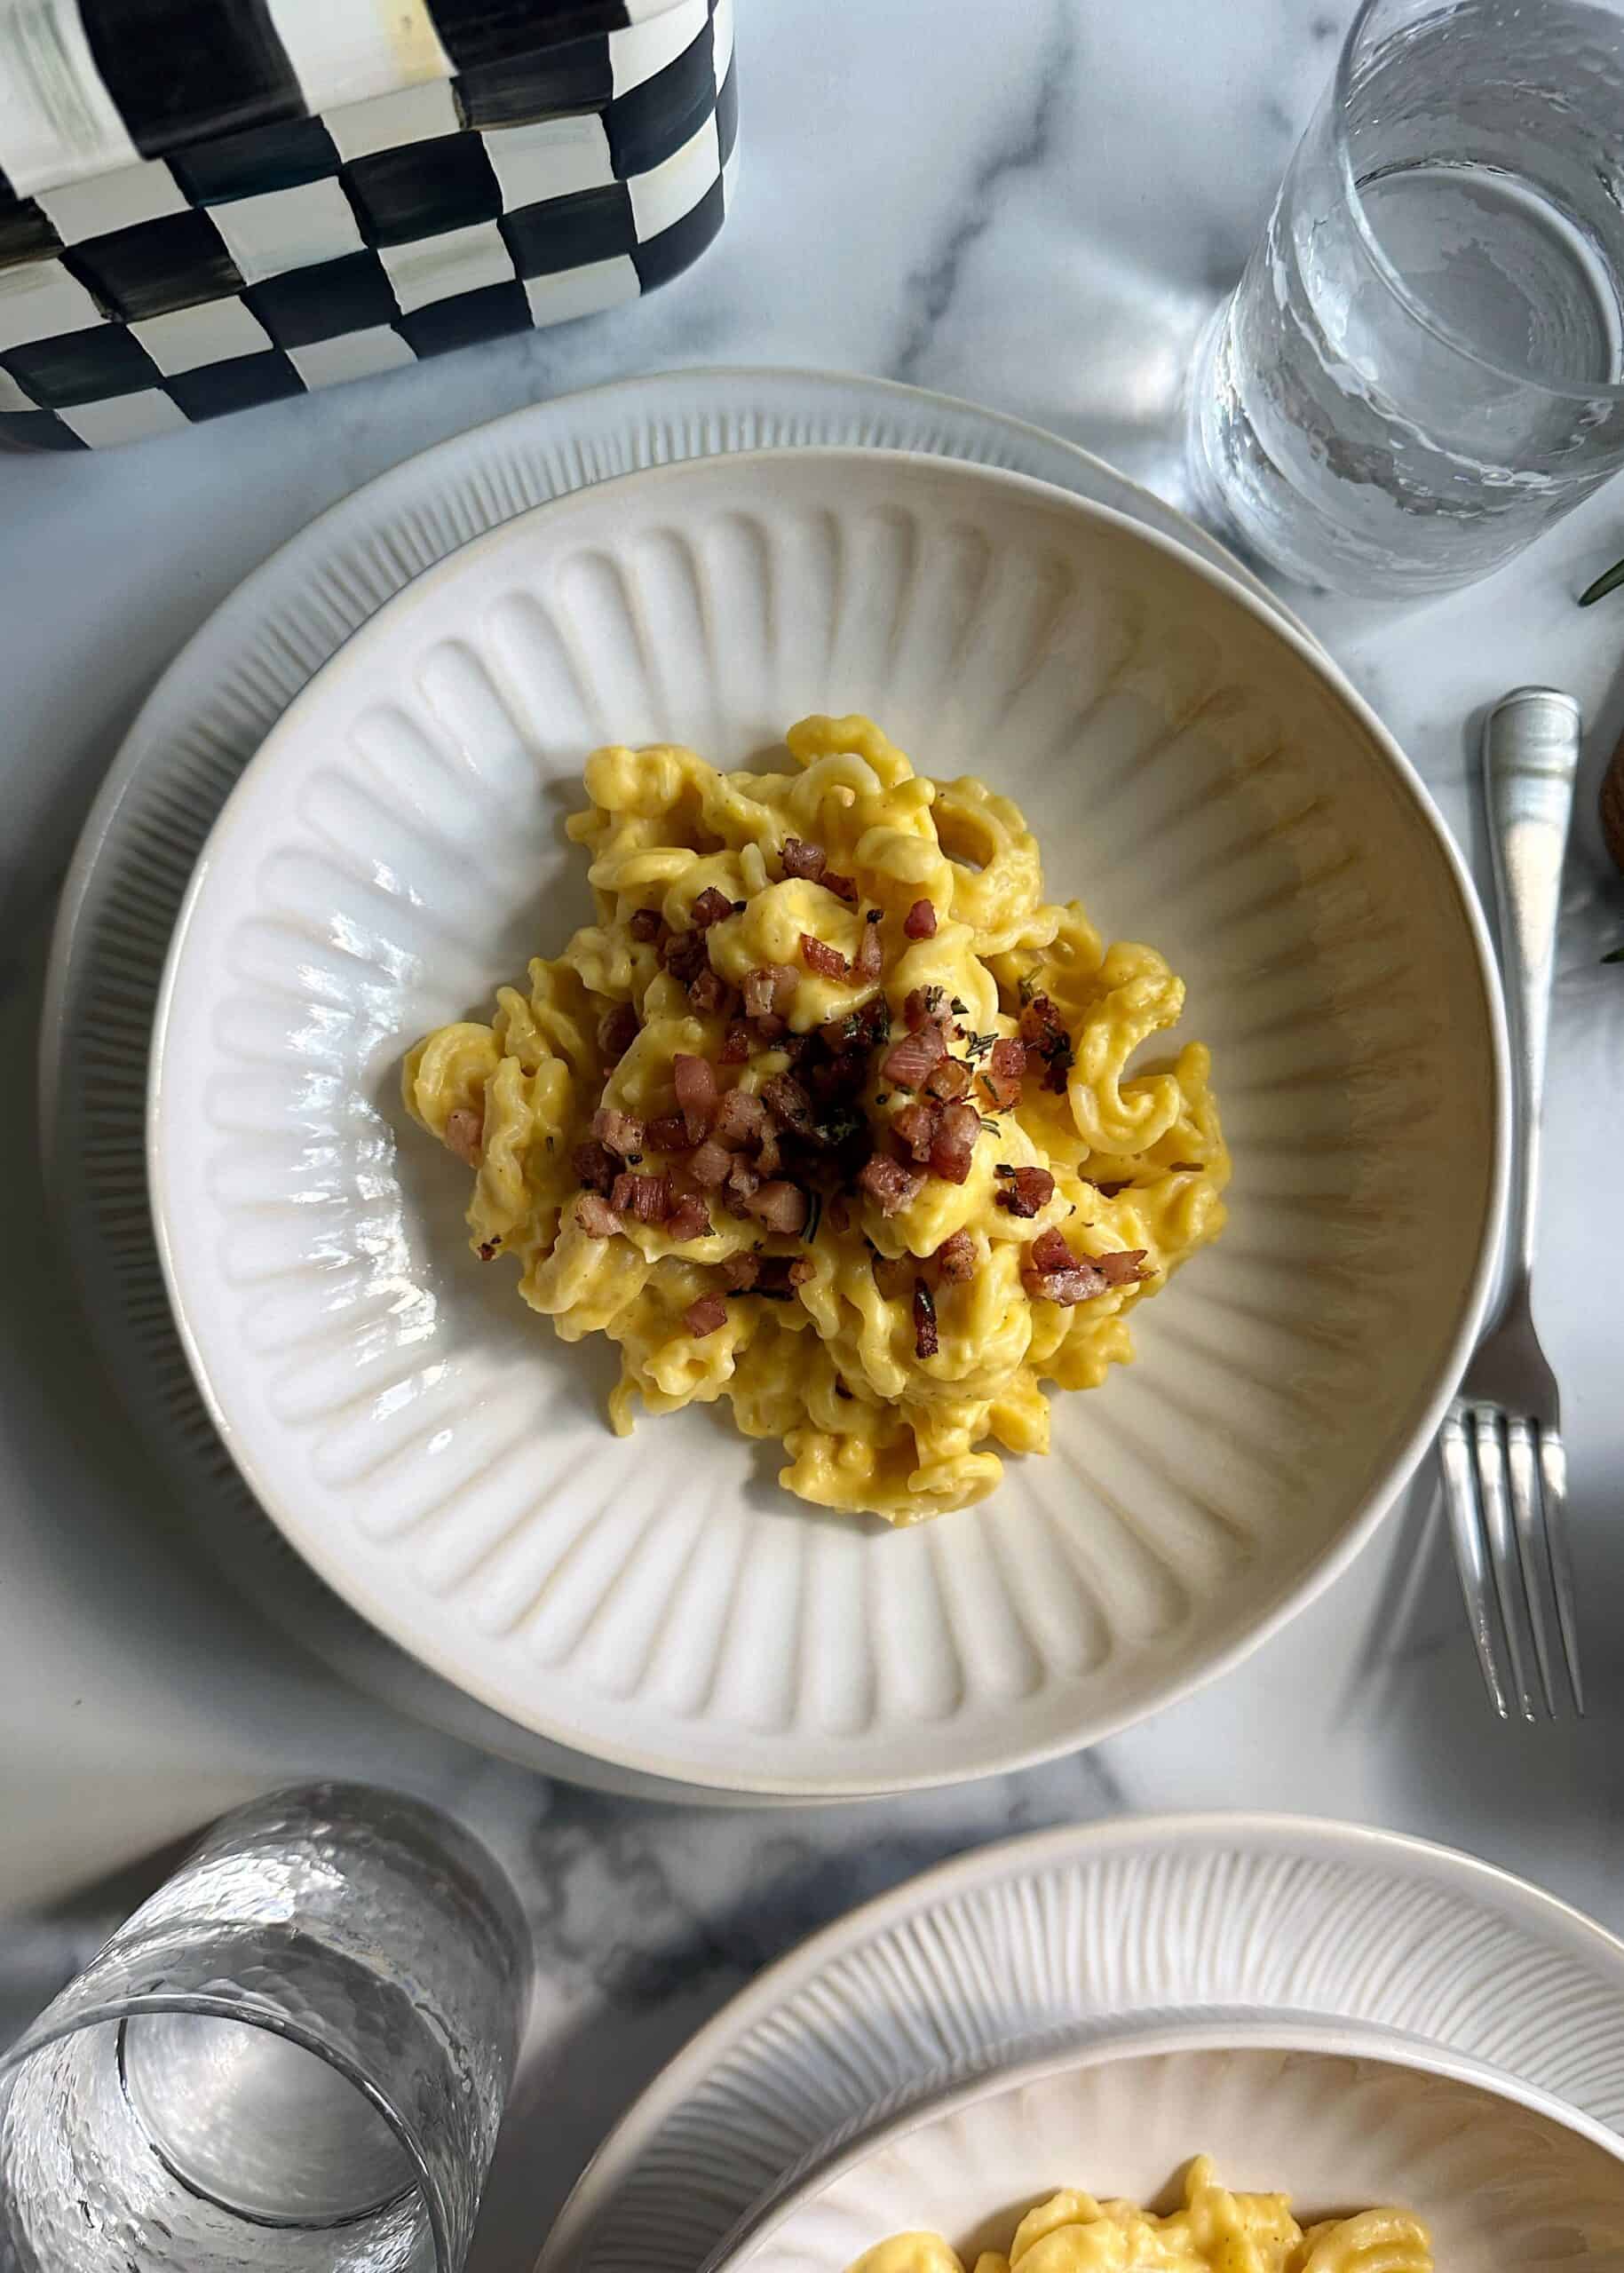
(1342, 89)
(55, 2028)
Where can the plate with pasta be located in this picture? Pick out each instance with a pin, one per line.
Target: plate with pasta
(1283, 2148)
(826, 1121)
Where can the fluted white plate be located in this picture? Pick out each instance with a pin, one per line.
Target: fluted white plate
(1502, 2173)
(1197, 772)
(198, 730)
(1242, 1922)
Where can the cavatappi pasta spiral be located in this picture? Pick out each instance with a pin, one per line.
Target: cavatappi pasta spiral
(830, 1112)
(1215, 2231)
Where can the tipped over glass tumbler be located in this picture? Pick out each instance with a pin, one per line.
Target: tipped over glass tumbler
(292, 2059)
(1422, 366)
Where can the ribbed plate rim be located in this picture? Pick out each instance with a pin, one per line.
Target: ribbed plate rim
(457, 479)
(1096, 1729)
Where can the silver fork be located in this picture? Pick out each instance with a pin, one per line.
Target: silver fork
(1505, 1472)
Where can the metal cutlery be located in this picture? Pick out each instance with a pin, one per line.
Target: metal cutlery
(1505, 1469)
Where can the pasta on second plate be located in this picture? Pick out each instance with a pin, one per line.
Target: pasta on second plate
(829, 1113)
(1214, 2231)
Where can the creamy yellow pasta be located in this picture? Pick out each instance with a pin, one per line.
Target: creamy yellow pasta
(830, 1112)
(1215, 2231)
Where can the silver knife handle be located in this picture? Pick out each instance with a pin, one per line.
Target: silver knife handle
(1530, 761)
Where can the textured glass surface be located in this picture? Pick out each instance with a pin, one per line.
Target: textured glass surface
(1422, 366)
(293, 2058)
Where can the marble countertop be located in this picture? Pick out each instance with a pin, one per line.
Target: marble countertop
(1036, 213)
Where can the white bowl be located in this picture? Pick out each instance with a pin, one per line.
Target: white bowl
(1196, 773)
(1340, 2118)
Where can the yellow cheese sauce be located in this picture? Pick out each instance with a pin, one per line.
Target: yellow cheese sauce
(1214, 2231)
(923, 1322)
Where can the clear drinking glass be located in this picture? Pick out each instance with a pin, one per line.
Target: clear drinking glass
(1420, 368)
(293, 2059)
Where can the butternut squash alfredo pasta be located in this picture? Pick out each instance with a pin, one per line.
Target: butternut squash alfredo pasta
(829, 1113)
(1215, 2231)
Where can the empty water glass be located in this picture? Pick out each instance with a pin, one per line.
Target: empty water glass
(293, 2059)
(1420, 368)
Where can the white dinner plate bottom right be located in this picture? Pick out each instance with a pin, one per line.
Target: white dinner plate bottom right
(1253, 1916)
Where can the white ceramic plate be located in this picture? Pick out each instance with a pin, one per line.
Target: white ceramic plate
(1193, 768)
(1110, 1928)
(199, 728)
(1501, 2174)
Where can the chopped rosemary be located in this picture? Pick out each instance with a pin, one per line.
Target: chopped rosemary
(840, 1126)
(960, 1009)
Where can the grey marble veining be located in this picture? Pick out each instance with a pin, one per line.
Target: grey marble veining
(1033, 206)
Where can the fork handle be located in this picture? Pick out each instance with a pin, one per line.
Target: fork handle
(1530, 760)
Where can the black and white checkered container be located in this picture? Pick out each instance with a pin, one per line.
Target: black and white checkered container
(206, 204)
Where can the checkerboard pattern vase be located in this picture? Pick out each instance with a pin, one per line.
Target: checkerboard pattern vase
(206, 204)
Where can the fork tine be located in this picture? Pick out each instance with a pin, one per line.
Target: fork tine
(1553, 1472)
(1490, 1452)
(1461, 1499)
(1529, 1523)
